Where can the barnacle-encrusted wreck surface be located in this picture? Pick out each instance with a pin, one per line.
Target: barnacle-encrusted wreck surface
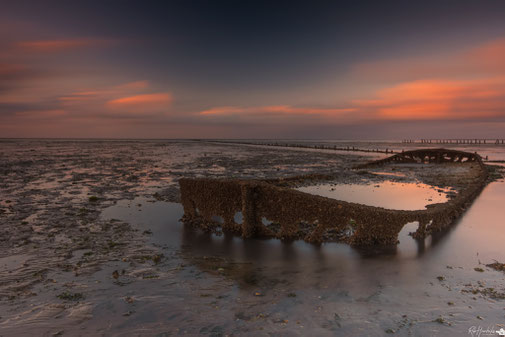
(298, 215)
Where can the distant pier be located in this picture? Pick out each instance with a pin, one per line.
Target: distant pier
(456, 141)
(308, 146)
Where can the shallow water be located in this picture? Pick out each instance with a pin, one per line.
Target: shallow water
(387, 194)
(230, 285)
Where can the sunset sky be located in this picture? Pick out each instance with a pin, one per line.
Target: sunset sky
(238, 69)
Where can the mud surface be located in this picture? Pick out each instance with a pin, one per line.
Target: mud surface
(90, 244)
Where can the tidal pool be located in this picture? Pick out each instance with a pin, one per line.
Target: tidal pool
(387, 194)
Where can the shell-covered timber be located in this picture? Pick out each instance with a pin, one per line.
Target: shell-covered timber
(300, 215)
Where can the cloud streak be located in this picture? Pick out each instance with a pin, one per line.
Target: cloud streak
(142, 104)
(465, 85)
(273, 111)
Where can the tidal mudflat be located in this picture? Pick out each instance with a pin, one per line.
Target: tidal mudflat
(91, 244)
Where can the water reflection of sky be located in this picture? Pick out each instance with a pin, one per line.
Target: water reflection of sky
(387, 194)
(368, 287)
(480, 230)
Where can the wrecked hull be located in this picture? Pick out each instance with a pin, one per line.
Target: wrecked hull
(300, 215)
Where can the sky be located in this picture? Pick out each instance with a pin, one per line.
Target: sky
(252, 69)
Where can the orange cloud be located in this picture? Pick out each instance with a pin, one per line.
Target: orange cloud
(163, 98)
(272, 110)
(438, 99)
(80, 96)
(103, 95)
(106, 93)
(223, 111)
(467, 84)
(429, 110)
(440, 90)
(147, 103)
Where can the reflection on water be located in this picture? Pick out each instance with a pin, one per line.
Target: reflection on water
(480, 228)
(388, 194)
(227, 284)
(162, 219)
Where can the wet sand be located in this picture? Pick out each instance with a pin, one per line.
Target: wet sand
(91, 245)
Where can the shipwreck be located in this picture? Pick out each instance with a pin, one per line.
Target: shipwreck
(295, 215)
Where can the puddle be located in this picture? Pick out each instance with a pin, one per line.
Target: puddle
(12, 262)
(161, 218)
(390, 195)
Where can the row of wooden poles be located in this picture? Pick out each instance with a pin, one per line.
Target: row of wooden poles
(324, 147)
(455, 141)
(308, 146)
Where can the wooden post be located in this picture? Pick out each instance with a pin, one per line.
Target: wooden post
(250, 219)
